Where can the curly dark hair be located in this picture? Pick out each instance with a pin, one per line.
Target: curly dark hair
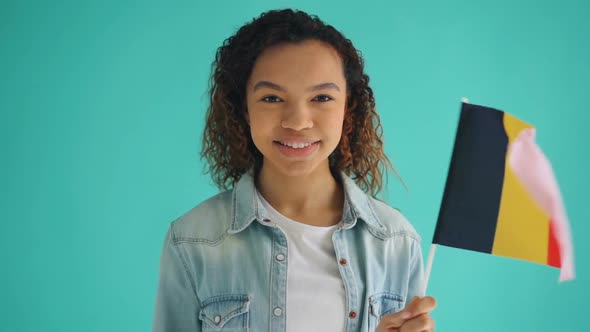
(227, 142)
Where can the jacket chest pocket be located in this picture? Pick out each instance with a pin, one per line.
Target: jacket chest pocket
(382, 304)
(225, 313)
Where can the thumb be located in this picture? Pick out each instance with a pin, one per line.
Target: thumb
(399, 318)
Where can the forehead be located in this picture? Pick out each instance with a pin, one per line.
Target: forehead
(298, 63)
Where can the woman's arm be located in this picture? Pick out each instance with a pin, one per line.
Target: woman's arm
(416, 277)
(177, 306)
(416, 315)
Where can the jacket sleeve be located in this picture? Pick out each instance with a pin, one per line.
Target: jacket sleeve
(177, 305)
(416, 278)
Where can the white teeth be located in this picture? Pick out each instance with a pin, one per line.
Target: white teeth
(296, 145)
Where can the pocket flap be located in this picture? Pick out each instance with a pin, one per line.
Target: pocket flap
(384, 303)
(218, 310)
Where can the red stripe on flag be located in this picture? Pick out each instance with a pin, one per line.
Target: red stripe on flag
(554, 256)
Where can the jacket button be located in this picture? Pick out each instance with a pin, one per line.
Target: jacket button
(280, 257)
(217, 319)
(343, 261)
(278, 311)
(352, 314)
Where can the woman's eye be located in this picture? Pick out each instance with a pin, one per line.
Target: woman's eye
(271, 99)
(323, 98)
(275, 99)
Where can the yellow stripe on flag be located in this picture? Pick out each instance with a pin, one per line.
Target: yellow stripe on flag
(514, 126)
(523, 227)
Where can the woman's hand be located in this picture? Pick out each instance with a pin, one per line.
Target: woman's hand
(415, 317)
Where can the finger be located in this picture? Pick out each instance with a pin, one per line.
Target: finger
(417, 306)
(421, 322)
(410, 307)
(397, 319)
(421, 305)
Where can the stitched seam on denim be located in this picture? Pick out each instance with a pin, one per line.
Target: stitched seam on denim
(255, 202)
(386, 237)
(351, 208)
(286, 294)
(236, 312)
(231, 297)
(340, 246)
(375, 298)
(234, 208)
(373, 213)
(386, 295)
(212, 243)
(225, 297)
(250, 218)
(227, 317)
(272, 245)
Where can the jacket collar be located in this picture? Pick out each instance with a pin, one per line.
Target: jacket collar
(246, 207)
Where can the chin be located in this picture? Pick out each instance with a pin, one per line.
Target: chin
(295, 169)
(287, 167)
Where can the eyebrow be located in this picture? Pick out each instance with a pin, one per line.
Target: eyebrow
(271, 85)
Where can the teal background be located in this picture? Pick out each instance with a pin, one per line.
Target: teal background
(102, 108)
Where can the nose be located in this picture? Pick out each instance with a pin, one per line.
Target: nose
(297, 117)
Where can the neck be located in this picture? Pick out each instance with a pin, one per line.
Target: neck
(298, 197)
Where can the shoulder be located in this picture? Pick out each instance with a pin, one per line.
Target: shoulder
(393, 220)
(206, 222)
(383, 221)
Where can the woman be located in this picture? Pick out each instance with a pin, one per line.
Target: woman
(298, 242)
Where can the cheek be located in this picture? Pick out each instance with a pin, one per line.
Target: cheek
(260, 127)
(336, 121)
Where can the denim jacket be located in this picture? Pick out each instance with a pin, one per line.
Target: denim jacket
(219, 269)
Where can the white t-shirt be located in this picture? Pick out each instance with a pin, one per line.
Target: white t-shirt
(315, 291)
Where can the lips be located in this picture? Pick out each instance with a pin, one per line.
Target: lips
(297, 149)
(296, 141)
(295, 145)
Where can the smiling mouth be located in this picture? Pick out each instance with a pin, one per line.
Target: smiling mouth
(297, 149)
(296, 145)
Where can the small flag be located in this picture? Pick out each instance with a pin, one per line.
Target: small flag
(501, 196)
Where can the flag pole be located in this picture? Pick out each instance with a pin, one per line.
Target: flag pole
(429, 266)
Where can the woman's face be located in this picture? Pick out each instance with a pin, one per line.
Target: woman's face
(296, 99)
